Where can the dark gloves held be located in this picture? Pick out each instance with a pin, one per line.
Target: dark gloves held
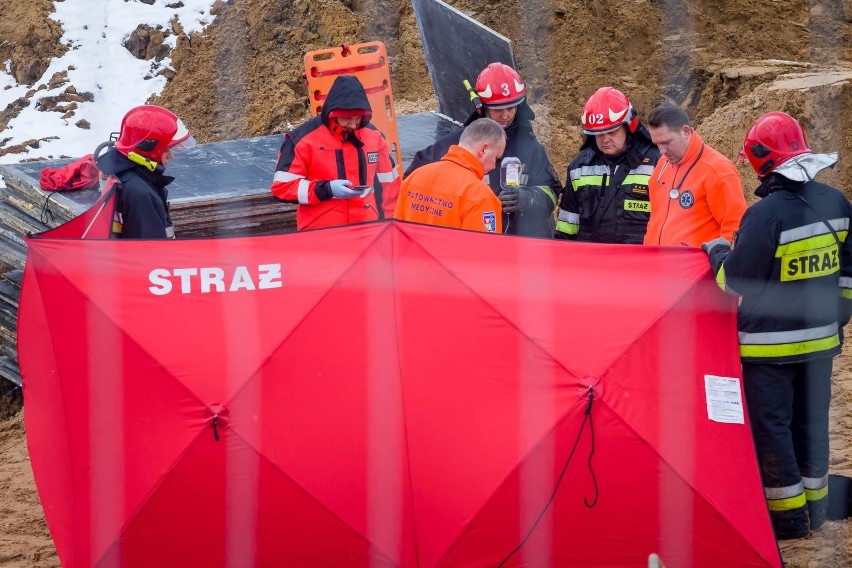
(717, 251)
(515, 199)
(717, 242)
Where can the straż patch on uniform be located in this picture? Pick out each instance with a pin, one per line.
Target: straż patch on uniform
(372, 157)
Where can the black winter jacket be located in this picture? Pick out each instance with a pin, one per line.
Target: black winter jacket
(794, 273)
(141, 199)
(542, 186)
(606, 198)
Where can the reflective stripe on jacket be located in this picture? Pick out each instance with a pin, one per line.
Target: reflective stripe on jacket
(607, 199)
(793, 273)
(315, 153)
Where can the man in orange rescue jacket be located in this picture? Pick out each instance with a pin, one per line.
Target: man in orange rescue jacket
(450, 192)
(695, 192)
(337, 166)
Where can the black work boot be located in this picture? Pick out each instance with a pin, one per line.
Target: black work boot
(817, 511)
(793, 523)
(839, 498)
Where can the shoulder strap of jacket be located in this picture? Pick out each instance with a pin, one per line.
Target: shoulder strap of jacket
(821, 218)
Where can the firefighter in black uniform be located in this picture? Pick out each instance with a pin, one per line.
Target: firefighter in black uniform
(791, 263)
(148, 138)
(606, 198)
(527, 208)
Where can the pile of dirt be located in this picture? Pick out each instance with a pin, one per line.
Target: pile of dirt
(726, 61)
(243, 76)
(29, 39)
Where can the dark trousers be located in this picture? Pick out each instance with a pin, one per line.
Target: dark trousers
(788, 408)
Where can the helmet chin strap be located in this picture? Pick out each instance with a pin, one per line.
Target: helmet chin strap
(146, 163)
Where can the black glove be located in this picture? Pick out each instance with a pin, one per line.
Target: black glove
(717, 242)
(509, 199)
(515, 199)
(717, 251)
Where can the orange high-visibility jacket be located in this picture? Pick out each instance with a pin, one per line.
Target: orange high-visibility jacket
(450, 193)
(708, 201)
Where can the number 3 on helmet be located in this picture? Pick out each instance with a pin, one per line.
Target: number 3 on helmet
(499, 86)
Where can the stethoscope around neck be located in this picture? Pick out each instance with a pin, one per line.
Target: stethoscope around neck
(674, 192)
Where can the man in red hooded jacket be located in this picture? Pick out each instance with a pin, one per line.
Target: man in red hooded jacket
(337, 166)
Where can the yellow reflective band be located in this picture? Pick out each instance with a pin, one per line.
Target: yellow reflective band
(567, 228)
(789, 349)
(586, 180)
(810, 244)
(636, 179)
(846, 293)
(810, 264)
(816, 494)
(787, 504)
(549, 192)
(720, 279)
(117, 227)
(634, 205)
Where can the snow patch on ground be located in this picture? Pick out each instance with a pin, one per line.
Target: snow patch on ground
(98, 63)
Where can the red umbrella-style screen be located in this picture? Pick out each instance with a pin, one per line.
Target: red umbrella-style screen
(386, 394)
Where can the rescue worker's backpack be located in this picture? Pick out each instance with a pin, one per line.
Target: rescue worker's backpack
(79, 174)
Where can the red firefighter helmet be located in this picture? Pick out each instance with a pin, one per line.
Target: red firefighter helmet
(606, 110)
(500, 86)
(150, 130)
(773, 139)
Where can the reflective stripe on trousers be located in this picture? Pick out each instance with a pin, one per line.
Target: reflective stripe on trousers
(785, 498)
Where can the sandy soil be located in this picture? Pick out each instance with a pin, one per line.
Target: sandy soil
(24, 538)
(726, 61)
